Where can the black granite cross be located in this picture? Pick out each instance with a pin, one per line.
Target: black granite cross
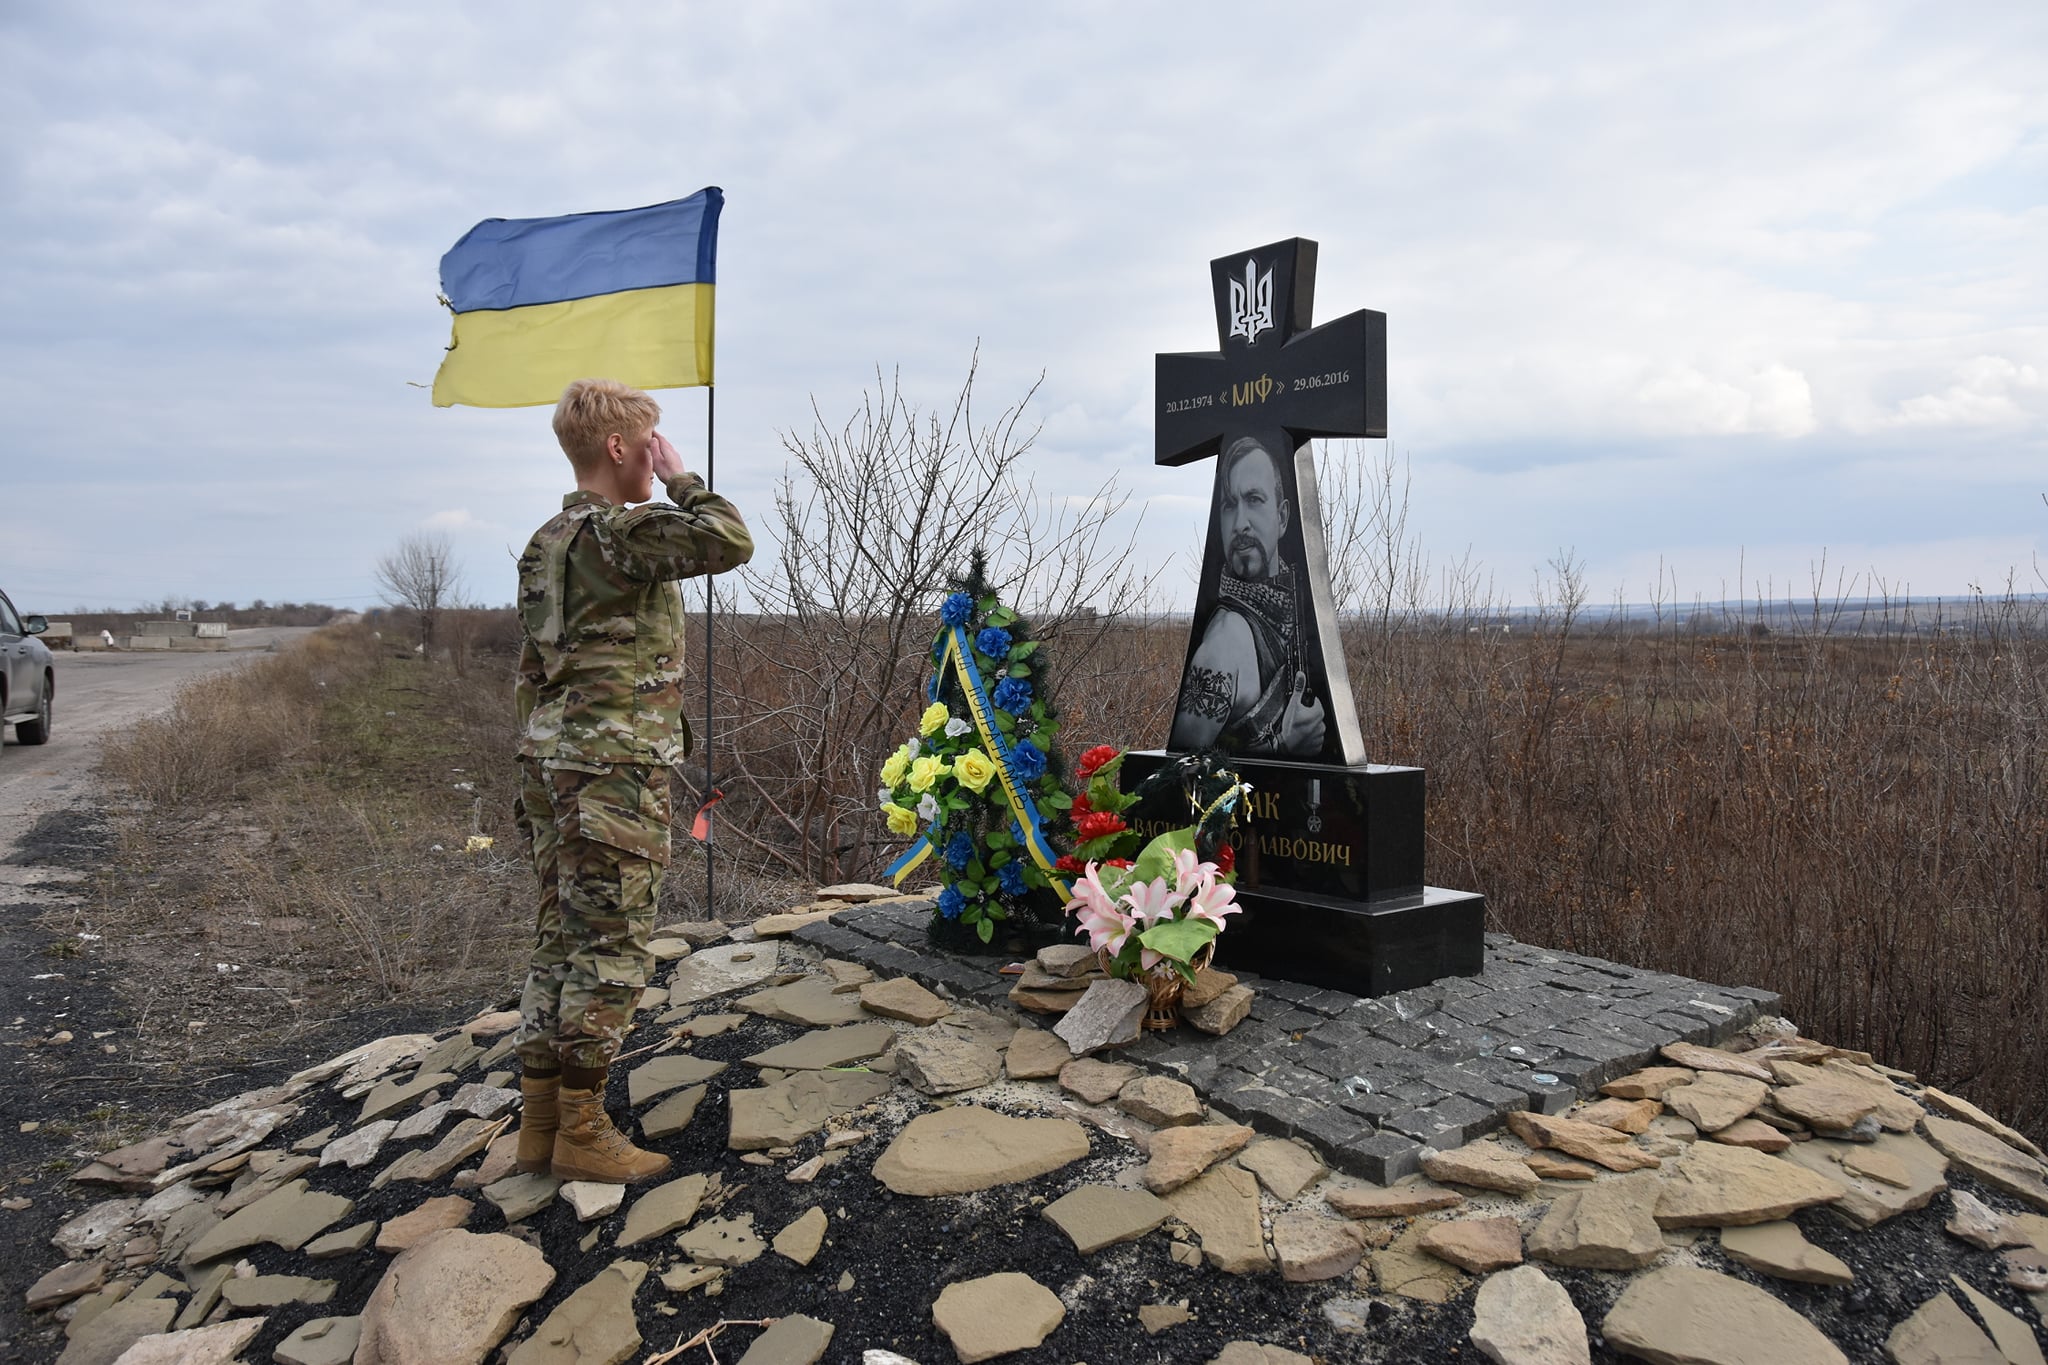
(1274, 368)
(1276, 381)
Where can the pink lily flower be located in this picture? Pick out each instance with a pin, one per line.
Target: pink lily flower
(1213, 902)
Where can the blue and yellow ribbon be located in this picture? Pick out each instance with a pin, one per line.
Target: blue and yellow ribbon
(957, 653)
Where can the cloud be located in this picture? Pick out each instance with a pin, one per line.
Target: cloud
(1653, 277)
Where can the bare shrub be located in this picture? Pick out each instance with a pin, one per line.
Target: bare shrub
(870, 520)
(421, 577)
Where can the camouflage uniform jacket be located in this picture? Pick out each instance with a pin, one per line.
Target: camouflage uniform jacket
(601, 670)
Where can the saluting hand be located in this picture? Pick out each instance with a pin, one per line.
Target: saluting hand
(668, 461)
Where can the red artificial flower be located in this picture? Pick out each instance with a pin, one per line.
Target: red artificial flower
(1226, 859)
(1118, 862)
(1082, 805)
(1067, 862)
(1094, 759)
(1099, 823)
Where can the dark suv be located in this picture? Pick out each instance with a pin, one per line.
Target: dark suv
(28, 680)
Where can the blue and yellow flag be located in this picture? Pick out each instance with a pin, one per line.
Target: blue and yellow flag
(539, 302)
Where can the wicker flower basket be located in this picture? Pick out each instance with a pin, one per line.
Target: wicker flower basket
(1163, 986)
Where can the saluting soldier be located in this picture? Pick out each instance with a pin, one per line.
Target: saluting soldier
(600, 708)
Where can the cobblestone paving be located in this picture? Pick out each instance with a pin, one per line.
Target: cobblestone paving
(1372, 1083)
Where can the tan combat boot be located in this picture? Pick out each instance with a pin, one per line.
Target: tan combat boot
(538, 1118)
(588, 1147)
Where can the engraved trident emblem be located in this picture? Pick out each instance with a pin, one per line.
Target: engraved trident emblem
(1251, 303)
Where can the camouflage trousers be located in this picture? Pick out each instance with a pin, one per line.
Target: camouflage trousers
(599, 841)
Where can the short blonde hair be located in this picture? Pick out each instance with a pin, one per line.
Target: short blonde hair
(590, 410)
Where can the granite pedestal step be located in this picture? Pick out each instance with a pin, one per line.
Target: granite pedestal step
(1372, 1083)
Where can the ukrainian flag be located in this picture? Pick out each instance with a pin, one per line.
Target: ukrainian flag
(539, 302)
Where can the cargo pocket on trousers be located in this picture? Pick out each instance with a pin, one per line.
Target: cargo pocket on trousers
(629, 972)
(627, 809)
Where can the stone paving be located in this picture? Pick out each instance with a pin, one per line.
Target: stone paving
(1372, 1084)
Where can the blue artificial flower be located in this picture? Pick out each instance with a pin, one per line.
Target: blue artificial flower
(958, 607)
(1027, 760)
(993, 641)
(1013, 695)
(960, 850)
(1011, 875)
(951, 903)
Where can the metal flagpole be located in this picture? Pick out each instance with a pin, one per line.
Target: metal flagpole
(710, 588)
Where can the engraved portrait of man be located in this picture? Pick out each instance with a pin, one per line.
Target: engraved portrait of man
(1246, 688)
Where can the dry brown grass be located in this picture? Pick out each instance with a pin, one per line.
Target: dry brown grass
(1860, 823)
(305, 823)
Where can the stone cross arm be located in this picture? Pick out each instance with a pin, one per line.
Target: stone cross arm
(1273, 368)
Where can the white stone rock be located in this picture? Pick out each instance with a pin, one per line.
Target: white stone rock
(1523, 1317)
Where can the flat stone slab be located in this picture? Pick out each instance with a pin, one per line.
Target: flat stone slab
(1781, 1249)
(663, 1209)
(968, 1148)
(794, 1339)
(346, 1242)
(785, 1112)
(1179, 1155)
(659, 1075)
(592, 1199)
(711, 972)
(1222, 1207)
(722, 1242)
(1035, 1054)
(936, 1062)
(323, 1341)
(451, 1297)
(1992, 1161)
(1161, 1101)
(1096, 1216)
(1680, 1314)
(288, 1217)
(521, 1196)
(1866, 1200)
(1719, 1186)
(673, 1114)
(1523, 1317)
(1398, 1201)
(388, 1097)
(828, 1048)
(996, 1315)
(1096, 1082)
(801, 1239)
(901, 998)
(1405, 1269)
(1286, 1169)
(1481, 1165)
(1607, 1225)
(1108, 1014)
(1311, 1247)
(415, 1224)
(1715, 1100)
(814, 1002)
(219, 1344)
(593, 1326)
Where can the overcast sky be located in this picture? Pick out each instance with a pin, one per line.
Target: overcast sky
(1722, 287)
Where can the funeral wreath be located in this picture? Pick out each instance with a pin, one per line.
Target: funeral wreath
(973, 786)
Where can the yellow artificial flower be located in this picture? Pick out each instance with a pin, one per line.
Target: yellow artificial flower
(925, 771)
(975, 769)
(901, 821)
(934, 717)
(895, 765)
